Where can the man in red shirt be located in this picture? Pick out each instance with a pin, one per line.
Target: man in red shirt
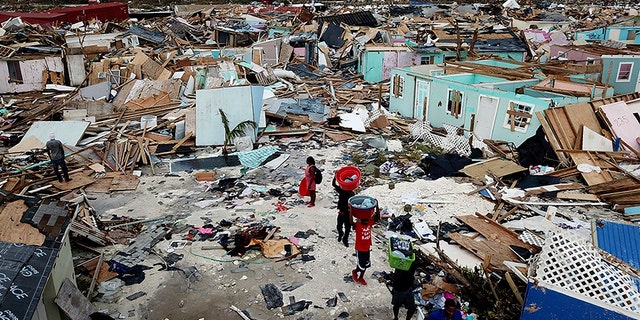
(363, 247)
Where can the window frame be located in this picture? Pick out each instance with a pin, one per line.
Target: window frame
(450, 103)
(397, 84)
(507, 117)
(628, 78)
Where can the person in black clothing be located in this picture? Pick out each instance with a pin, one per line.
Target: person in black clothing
(344, 222)
(56, 154)
(402, 293)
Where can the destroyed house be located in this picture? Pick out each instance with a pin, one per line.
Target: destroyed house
(35, 257)
(494, 99)
(620, 67)
(377, 61)
(495, 41)
(626, 32)
(27, 73)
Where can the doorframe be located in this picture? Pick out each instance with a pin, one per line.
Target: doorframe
(495, 114)
(417, 107)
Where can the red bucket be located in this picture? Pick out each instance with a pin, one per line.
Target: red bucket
(345, 178)
(363, 207)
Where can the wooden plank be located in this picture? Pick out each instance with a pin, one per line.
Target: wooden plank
(561, 126)
(626, 183)
(482, 248)
(14, 231)
(73, 303)
(554, 187)
(494, 231)
(577, 196)
(551, 136)
(496, 166)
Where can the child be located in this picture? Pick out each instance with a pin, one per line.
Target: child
(363, 246)
(310, 175)
(343, 224)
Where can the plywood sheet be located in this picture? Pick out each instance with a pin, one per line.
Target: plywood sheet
(592, 141)
(496, 166)
(75, 305)
(68, 132)
(582, 115)
(27, 144)
(593, 177)
(623, 123)
(77, 180)
(14, 231)
(124, 182)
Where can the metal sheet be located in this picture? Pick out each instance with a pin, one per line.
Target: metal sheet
(238, 103)
(68, 132)
(620, 239)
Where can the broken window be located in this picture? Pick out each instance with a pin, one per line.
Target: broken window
(518, 116)
(426, 60)
(398, 86)
(591, 61)
(454, 106)
(624, 72)
(15, 75)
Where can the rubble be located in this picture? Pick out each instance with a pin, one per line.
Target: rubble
(501, 140)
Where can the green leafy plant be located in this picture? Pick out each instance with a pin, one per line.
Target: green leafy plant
(357, 158)
(236, 132)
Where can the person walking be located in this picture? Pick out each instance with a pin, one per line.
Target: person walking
(363, 249)
(343, 224)
(310, 176)
(55, 150)
(402, 293)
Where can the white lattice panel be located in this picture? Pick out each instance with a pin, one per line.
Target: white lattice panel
(531, 238)
(572, 263)
(375, 114)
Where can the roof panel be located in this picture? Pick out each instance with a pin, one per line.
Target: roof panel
(620, 239)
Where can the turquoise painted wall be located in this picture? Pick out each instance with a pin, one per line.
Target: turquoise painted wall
(504, 91)
(371, 64)
(610, 67)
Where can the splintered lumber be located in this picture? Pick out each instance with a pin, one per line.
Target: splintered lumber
(496, 166)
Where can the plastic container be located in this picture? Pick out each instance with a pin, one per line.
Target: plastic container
(399, 262)
(363, 207)
(148, 121)
(345, 175)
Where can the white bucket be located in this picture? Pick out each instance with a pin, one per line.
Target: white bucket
(148, 121)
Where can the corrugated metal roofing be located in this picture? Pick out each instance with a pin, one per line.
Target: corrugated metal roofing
(361, 19)
(620, 239)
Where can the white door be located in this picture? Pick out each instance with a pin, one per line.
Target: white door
(485, 116)
(421, 102)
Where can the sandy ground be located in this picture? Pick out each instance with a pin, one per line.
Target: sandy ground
(228, 281)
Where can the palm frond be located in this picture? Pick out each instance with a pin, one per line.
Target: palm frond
(239, 130)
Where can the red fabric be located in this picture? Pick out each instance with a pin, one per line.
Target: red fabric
(303, 190)
(363, 235)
